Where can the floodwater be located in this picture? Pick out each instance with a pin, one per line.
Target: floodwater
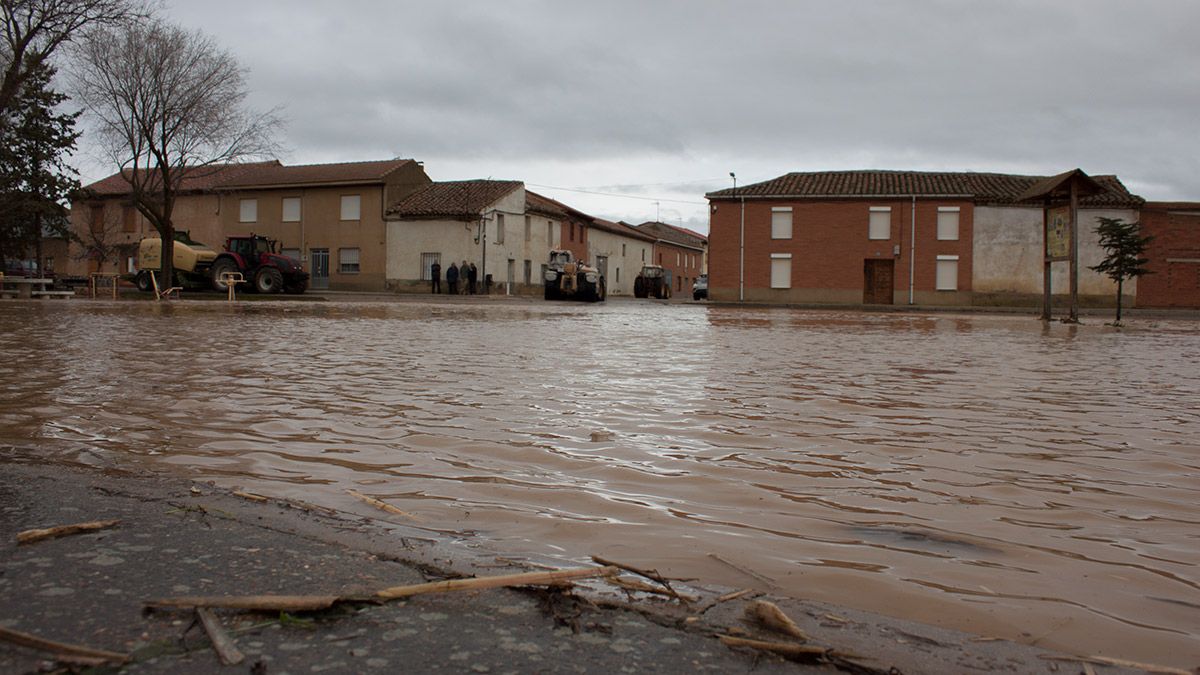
(986, 473)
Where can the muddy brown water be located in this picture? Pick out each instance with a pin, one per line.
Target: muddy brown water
(985, 473)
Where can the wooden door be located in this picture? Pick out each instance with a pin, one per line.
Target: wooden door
(878, 280)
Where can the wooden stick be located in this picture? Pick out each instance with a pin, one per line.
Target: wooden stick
(634, 585)
(1108, 661)
(479, 583)
(379, 504)
(652, 575)
(768, 614)
(249, 495)
(733, 595)
(263, 603)
(62, 650)
(788, 650)
(31, 536)
(222, 643)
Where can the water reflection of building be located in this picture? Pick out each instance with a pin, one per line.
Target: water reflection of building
(897, 237)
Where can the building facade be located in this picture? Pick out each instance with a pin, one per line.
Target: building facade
(1174, 255)
(681, 251)
(892, 237)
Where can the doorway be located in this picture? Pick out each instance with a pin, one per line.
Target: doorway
(879, 277)
(319, 263)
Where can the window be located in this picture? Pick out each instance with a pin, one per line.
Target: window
(291, 209)
(499, 228)
(880, 226)
(528, 228)
(351, 207)
(572, 231)
(622, 250)
(947, 223)
(128, 219)
(249, 211)
(781, 270)
(619, 273)
(427, 260)
(528, 272)
(947, 273)
(550, 233)
(49, 263)
(660, 257)
(781, 222)
(348, 260)
(643, 255)
(131, 265)
(677, 258)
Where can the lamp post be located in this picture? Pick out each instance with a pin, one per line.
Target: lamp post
(741, 244)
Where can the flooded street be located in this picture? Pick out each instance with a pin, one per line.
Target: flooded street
(978, 472)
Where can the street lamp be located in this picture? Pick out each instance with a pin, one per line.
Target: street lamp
(741, 244)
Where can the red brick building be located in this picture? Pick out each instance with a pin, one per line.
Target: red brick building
(681, 251)
(890, 237)
(1174, 255)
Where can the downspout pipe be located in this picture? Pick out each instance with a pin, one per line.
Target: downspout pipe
(742, 254)
(912, 251)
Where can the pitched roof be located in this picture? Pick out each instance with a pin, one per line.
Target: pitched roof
(982, 188)
(453, 199)
(674, 235)
(195, 179)
(273, 175)
(622, 228)
(546, 206)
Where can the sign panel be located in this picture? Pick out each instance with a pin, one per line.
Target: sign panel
(1058, 233)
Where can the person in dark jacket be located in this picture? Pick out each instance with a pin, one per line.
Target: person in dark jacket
(452, 279)
(473, 277)
(435, 277)
(463, 271)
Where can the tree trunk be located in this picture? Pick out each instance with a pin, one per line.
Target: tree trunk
(37, 246)
(1120, 284)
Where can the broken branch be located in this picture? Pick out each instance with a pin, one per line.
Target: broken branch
(788, 650)
(635, 585)
(1108, 661)
(263, 603)
(479, 583)
(379, 504)
(222, 643)
(62, 650)
(31, 536)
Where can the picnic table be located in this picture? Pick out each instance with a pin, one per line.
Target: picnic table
(30, 287)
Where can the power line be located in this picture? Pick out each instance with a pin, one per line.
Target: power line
(613, 194)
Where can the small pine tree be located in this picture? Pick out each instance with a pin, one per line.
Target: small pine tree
(1124, 244)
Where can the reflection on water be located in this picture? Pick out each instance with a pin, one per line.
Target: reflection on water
(986, 473)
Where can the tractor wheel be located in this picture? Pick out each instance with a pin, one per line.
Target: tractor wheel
(551, 292)
(268, 280)
(143, 281)
(222, 266)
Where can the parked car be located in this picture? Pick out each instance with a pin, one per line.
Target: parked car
(27, 268)
(700, 287)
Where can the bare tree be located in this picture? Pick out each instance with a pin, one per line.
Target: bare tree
(35, 29)
(167, 104)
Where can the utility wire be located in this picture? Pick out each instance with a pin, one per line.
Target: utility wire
(613, 194)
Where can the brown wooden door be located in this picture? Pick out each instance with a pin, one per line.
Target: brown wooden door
(878, 280)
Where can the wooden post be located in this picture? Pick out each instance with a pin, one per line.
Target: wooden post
(1046, 265)
(1074, 317)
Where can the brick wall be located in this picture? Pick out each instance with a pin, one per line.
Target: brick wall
(685, 265)
(1174, 256)
(829, 245)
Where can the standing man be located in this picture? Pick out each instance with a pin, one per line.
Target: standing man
(435, 276)
(464, 271)
(473, 276)
(452, 279)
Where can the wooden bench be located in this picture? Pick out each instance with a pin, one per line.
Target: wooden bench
(53, 294)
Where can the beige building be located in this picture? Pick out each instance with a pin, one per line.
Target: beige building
(330, 216)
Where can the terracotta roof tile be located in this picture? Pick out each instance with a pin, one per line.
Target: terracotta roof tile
(676, 235)
(200, 179)
(544, 205)
(982, 188)
(453, 199)
(621, 228)
(271, 175)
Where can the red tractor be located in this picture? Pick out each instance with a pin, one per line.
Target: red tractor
(266, 271)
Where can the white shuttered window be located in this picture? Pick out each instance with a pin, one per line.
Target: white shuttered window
(947, 273)
(781, 222)
(351, 207)
(249, 211)
(947, 223)
(781, 270)
(291, 209)
(880, 226)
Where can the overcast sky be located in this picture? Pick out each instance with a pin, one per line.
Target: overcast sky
(661, 100)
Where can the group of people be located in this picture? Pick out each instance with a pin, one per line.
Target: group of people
(466, 273)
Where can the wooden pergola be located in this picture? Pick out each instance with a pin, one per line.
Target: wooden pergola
(1059, 196)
